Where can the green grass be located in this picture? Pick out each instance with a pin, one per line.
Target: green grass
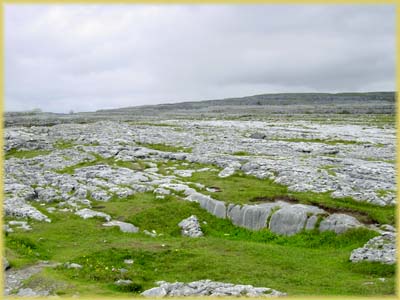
(241, 153)
(63, 144)
(166, 148)
(309, 263)
(328, 169)
(25, 153)
(383, 193)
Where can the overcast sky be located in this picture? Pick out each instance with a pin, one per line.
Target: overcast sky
(83, 58)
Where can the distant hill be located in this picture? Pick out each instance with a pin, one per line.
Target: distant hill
(274, 99)
(252, 107)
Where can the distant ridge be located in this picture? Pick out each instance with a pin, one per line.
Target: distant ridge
(271, 99)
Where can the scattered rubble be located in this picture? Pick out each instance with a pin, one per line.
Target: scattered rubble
(209, 288)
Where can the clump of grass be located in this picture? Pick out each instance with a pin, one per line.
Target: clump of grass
(383, 193)
(63, 144)
(25, 153)
(241, 153)
(329, 169)
(166, 148)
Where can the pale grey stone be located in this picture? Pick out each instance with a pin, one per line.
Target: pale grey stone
(123, 226)
(191, 227)
(378, 249)
(122, 282)
(209, 288)
(339, 223)
(87, 213)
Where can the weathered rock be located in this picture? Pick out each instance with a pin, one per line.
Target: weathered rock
(21, 225)
(228, 171)
(251, 216)
(258, 136)
(215, 207)
(378, 249)
(190, 227)
(122, 282)
(155, 292)
(123, 226)
(208, 288)
(292, 219)
(19, 208)
(87, 213)
(339, 223)
(28, 292)
(73, 266)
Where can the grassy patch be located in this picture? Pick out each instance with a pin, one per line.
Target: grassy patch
(241, 153)
(166, 148)
(309, 263)
(383, 193)
(329, 169)
(63, 144)
(25, 153)
(240, 188)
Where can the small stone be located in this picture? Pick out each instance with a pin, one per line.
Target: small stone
(122, 282)
(128, 261)
(73, 266)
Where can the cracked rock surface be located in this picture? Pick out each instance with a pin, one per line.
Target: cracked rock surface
(191, 227)
(209, 288)
(378, 249)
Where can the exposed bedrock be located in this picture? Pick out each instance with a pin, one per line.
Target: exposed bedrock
(280, 217)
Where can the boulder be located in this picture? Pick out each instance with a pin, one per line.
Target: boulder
(228, 171)
(253, 217)
(378, 249)
(191, 227)
(292, 219)
(339, 223)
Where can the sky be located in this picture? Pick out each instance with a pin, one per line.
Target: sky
(64, 58)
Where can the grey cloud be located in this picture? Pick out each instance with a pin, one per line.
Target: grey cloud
(91, 57)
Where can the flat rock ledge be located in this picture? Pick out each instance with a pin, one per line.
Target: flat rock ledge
(209, 288)
(123, 226)
(378, 249)
(191, 227)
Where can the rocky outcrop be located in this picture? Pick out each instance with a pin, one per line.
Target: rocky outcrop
(280, 217)
(209, 288)
(17, 207)
(292, 219)
(378, 249)
(191, 227)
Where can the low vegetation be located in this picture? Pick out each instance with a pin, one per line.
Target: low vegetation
(304, 264)
(166, 148)
(25, 153)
